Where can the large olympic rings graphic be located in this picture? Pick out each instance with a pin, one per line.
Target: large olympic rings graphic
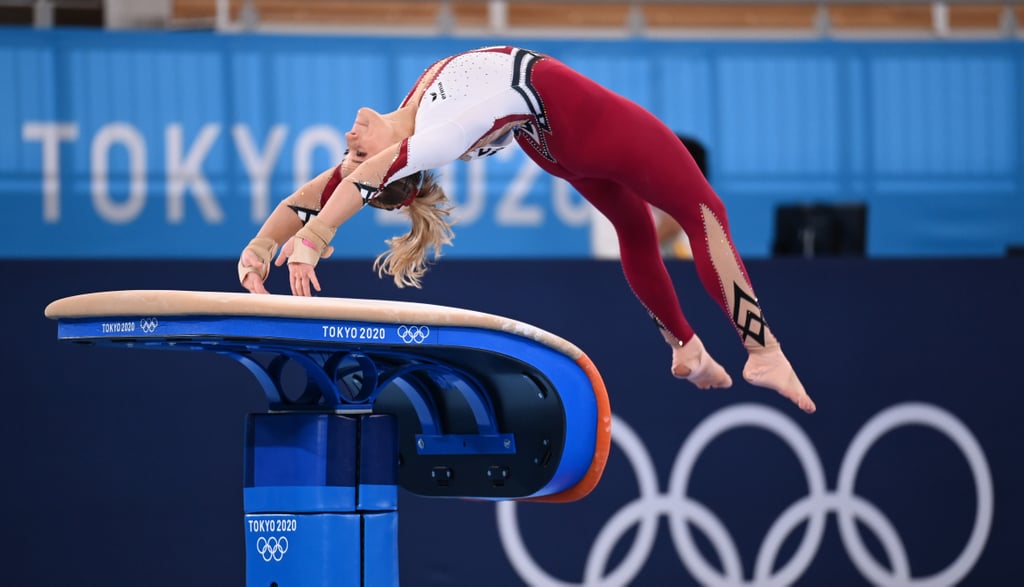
(148, 325)
(273, 548)
(413, 334)
(682, 511)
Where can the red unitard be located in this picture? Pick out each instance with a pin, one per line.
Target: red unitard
(619, 156)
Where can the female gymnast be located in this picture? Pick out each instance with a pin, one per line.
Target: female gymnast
(619, 157)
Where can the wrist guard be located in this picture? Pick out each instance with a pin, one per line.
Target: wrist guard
(264, 249)
(311, 241)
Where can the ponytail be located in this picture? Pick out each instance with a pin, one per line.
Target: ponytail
(429, 212)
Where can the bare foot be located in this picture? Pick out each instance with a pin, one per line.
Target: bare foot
(692, 363)
(770, 368)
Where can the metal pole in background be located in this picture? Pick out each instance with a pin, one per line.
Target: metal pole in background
(42, 14)
(223, 18)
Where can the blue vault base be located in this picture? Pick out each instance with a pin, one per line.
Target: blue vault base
(321, 500)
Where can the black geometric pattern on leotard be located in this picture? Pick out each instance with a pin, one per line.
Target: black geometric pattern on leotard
(746, 314)
(522, 82)
(366, 191)
(304, 214)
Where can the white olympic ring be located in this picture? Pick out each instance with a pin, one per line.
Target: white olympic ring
(413, 334)
(681, 511)
(148, 325)
(272, 548)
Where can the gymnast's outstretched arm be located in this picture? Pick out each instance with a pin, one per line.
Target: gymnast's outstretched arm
(281, 225)
(441, 143)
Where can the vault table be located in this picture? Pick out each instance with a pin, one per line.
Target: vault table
(365, 396)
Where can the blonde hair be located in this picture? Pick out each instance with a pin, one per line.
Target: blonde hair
(429, 212)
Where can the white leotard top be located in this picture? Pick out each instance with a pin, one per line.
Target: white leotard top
(467, 111)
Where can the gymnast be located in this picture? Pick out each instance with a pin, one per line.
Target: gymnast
(618, 155)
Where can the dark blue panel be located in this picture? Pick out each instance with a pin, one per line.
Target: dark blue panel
(301, 450)
(380, 548)
(378, 464)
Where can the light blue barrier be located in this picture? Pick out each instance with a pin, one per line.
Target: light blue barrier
(137, 145)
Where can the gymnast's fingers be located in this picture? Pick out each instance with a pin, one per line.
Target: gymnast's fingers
(254, 284)
(286, 251)
(299, 278)
(313, 279)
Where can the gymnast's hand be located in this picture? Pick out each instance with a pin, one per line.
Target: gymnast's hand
(254, 264)
(252, 281)
(301, 275)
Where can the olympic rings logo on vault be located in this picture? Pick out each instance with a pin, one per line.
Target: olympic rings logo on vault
(683, 512)
(272, 548)
(413, 334)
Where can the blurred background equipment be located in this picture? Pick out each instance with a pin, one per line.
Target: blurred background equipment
(590, 18)
(820, 230)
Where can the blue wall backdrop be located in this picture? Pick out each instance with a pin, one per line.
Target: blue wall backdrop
(177, 144)
(124, 467)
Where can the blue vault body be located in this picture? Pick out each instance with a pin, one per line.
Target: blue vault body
(366, 396)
